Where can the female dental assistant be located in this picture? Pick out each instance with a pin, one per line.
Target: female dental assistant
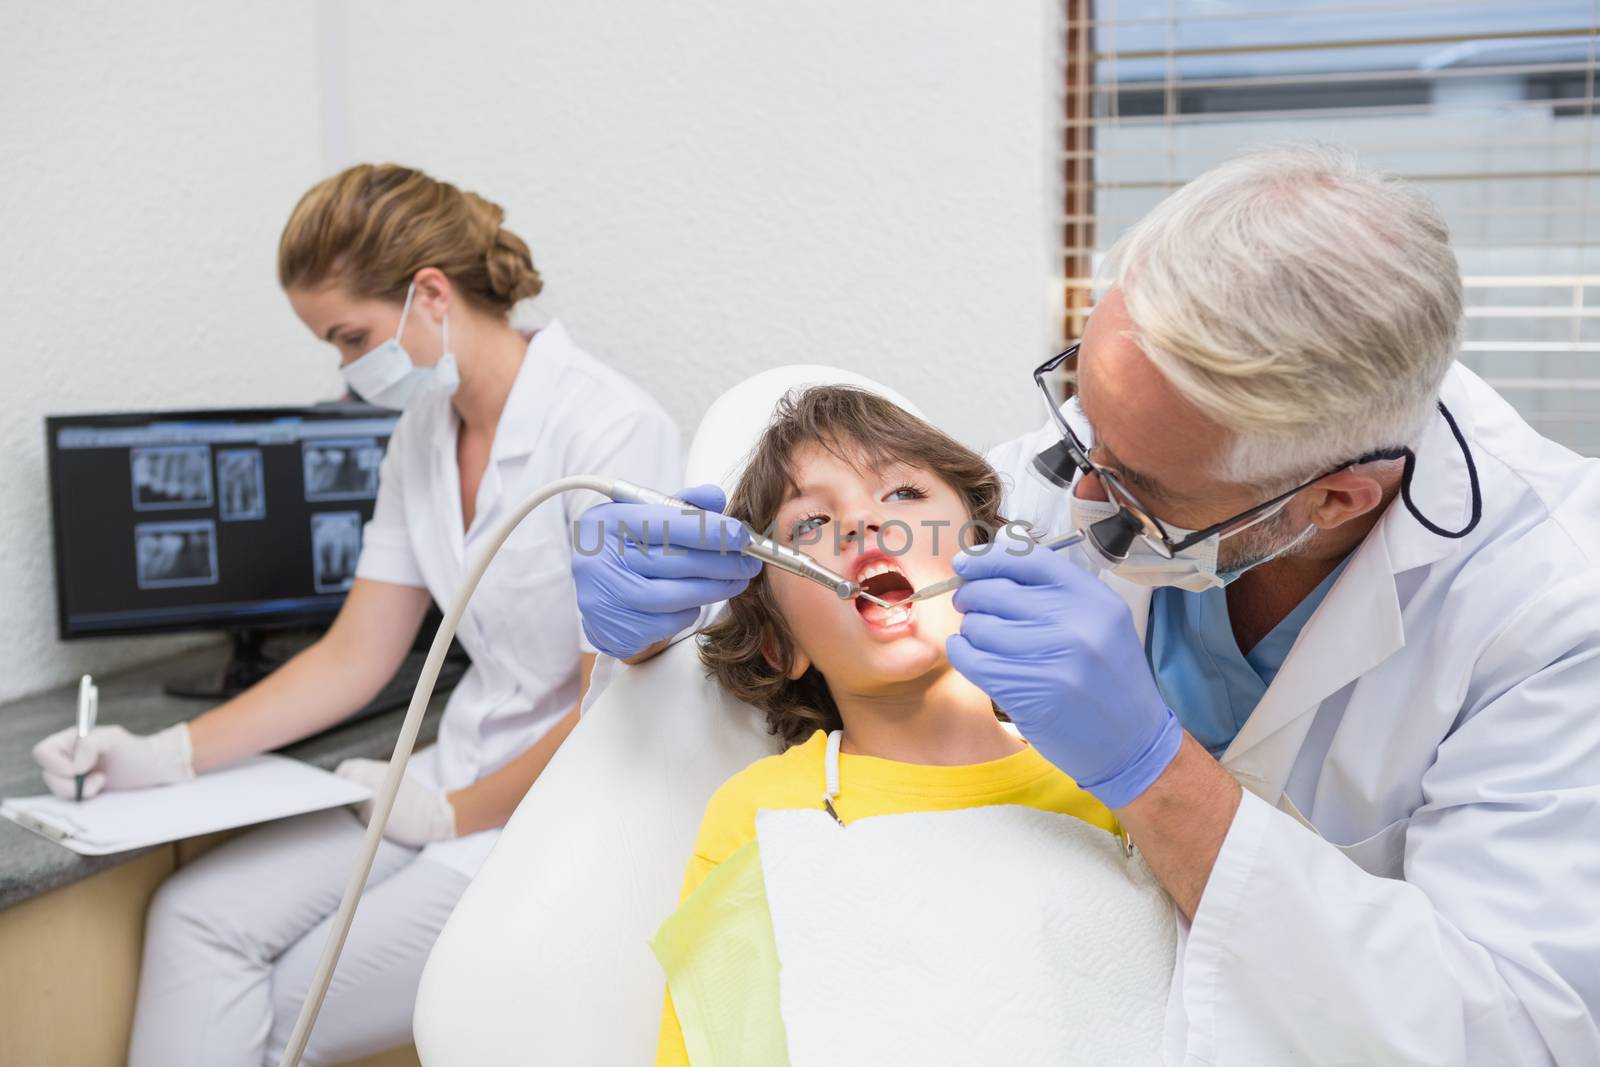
(412, 280)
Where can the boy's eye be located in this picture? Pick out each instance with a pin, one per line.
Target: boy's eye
(807, 525)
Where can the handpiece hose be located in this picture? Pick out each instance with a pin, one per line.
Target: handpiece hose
(383, 802)
(762, 548)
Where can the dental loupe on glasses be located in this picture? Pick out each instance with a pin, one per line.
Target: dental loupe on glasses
(1111, 537)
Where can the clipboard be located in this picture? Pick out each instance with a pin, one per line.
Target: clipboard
(257, 790)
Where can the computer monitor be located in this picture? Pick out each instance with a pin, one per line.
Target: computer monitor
(239, 520)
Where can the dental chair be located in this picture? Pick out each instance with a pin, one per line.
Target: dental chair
(545, 960)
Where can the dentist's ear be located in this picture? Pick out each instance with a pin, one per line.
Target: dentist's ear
(1343, 496)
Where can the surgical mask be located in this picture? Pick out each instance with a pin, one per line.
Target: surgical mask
(1193, 570)
(387, 376)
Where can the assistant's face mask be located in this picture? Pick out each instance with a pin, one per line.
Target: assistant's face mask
(387, 377)
(1194, 569)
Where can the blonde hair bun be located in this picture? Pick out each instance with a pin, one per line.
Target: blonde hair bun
(371, 227)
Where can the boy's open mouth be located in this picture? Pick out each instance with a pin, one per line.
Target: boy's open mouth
(882, 578)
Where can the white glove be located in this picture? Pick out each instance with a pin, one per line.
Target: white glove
(420, 815)
(112, 758)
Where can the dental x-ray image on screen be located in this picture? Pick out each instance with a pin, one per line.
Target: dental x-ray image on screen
(335, 548)
(342, 469)
(241, 485)
(171, 478)
(261, 537)
(175, 553)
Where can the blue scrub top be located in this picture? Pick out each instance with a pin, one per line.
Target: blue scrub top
(1208, 683)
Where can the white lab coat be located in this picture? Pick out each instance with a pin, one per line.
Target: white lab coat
(567, 413)
(1437, 727)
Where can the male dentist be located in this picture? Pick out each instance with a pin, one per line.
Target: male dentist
(1339, 675)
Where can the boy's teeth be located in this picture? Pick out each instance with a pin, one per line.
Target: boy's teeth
(872, 570)
(891, 616)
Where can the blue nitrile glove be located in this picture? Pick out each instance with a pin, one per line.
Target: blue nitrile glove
(1055, 648)
(672, 565)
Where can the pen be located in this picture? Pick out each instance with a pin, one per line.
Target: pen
(88, 710)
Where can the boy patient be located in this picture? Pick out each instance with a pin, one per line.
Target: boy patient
(879, 496)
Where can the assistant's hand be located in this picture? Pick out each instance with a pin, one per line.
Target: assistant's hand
(420, 815)
(1055, 648)
(112, 758)
(673, 564)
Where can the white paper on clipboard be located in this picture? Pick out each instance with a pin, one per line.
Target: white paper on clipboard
(259, 789)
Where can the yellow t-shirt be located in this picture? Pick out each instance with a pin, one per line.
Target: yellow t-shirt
(867, 786)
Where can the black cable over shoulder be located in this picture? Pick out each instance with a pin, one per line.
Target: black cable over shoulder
(1411, 468)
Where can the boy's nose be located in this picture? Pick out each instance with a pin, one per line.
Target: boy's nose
(856, 528)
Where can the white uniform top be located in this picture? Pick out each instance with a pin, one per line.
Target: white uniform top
(1413, 875)
(567, 414)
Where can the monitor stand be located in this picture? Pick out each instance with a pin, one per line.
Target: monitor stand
(248, 664)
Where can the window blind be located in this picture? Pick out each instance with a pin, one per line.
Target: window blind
(1489, 106)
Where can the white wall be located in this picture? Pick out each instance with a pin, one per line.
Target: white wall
(714, 188)
(709, 189)
(148, 157)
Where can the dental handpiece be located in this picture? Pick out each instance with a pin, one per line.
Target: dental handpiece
(763, 548)
(954, 582)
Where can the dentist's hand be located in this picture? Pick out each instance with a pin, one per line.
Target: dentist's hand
(634, 596)
(112, 758)
(1055, 648)
(420, 815)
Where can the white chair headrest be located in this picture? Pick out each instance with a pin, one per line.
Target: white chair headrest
(735, 420)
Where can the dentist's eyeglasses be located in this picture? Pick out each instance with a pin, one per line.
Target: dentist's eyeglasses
(1069, 457)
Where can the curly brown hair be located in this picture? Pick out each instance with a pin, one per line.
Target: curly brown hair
(864, 430)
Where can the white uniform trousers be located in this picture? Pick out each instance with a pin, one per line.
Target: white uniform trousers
(232, 940)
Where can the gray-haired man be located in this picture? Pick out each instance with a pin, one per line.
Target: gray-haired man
(1339, 676)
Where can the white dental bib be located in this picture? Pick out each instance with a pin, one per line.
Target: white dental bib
(999, 934)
